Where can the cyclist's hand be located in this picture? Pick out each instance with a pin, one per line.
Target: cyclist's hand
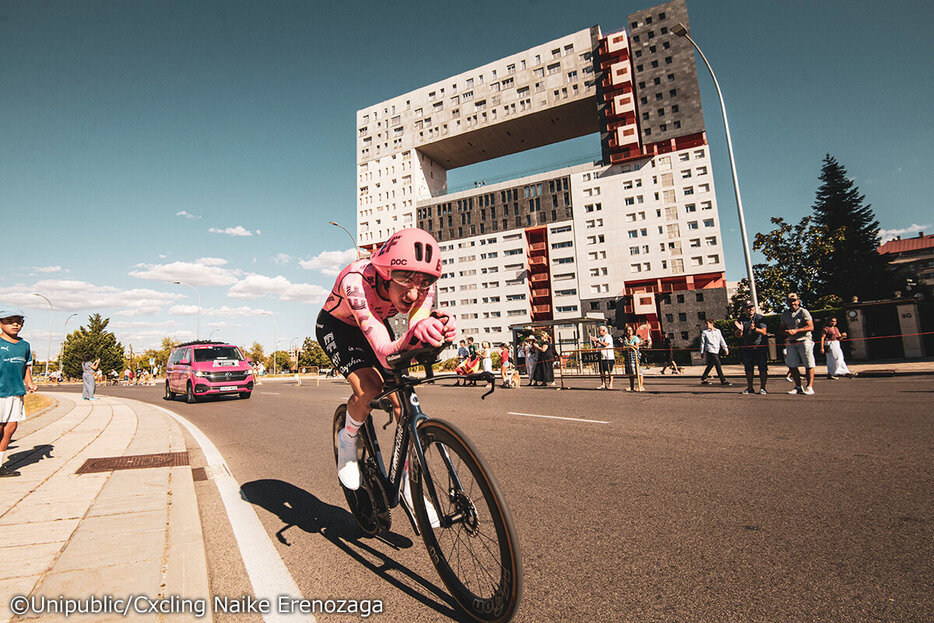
(429, 330)
(450, 326)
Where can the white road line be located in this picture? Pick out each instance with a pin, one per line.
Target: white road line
(555, 417)
(270, 393)
(268, 574)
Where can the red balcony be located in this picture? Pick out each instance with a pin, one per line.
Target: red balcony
(538, 260)
(537, 247)
(539, 277)
(541, 293)
(541, 309)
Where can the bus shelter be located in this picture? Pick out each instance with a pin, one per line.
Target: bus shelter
(571, 337)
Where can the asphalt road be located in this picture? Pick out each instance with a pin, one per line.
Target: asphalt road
(689, 503)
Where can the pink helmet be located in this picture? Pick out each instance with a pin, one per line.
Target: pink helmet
(409, 250)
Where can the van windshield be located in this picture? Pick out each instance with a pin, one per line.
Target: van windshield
(218, 352)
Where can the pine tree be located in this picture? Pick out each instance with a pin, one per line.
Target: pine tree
(854, 267)
(93, 342)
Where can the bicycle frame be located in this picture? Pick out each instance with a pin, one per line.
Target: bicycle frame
(405, 438)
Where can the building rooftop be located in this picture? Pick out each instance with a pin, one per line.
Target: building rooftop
(901, 245)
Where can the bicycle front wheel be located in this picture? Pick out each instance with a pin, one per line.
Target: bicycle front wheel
(471, 540)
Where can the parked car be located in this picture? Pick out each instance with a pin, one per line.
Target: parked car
(204, 368)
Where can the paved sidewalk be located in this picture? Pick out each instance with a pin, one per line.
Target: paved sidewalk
(123, 533)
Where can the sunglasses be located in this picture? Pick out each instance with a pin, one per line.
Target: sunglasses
(12, 320)
(413, 279)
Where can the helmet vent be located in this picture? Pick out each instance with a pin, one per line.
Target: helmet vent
(418, 251)
(428, 254)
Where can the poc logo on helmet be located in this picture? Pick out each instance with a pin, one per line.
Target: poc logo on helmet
(398, 262)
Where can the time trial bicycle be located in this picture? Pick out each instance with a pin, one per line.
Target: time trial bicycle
(468, 531)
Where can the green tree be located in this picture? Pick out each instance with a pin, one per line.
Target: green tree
(254, 353)
(93, 342)
(799, 261)
(313, 355)
(854, 267)
(282, 362)
(165, 351)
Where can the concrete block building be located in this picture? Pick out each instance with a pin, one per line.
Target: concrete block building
(565, 243)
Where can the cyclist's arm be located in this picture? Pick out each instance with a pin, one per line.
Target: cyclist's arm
(353, 288)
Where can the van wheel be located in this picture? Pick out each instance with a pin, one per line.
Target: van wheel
(245, 395)
(169, 394)
(190, 397)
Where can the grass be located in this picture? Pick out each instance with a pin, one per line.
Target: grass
(36, 402)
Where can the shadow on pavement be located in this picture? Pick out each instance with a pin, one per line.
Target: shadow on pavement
(29, 457)
(298, 508)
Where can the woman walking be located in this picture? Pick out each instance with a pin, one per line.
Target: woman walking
(88, 368)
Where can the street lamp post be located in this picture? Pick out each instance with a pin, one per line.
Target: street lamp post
(681, 31)
(274, 340)
(198, 320)
(48, 355)
(61, 353)
(212, 333)
(352, 239)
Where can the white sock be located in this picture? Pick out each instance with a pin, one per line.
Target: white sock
(2, 457)
(351, 426)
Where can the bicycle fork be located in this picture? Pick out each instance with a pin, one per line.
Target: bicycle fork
(420, 469)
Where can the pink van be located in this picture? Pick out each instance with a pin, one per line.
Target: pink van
(204, 368)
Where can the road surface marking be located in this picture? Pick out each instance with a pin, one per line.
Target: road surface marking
(270, 393)
(555, 417)
(268, 574)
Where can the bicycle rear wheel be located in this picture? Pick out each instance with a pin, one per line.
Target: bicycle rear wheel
(475, 549)
(367, 504)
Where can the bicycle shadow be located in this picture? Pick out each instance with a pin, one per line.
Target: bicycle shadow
(30, 457)
(298, 508)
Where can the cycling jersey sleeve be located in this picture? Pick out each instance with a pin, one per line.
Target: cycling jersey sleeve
(354, 289)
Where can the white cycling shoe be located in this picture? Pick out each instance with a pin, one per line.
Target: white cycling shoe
(429, 507)
(348, 469)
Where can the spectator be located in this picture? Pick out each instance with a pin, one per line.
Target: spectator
(473, 359)
(631, 343)
(797, 325)
(669, 347)
(830, 345)
(546, 360)
(504, 364)
(604, 342)
(531, 358)
(88, 369)
(486, 353)
(750, 327)
(712, 344)
(462, 355)
(15, 379)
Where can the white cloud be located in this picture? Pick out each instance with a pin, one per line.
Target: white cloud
(186, 214)
(282, 258)
(330, 262)
(889, 234)
(256, 286)
(73, 295)
(47, 269)
(223, 311)
(239, 230)
(207, 271)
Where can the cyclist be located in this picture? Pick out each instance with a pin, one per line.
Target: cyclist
(354, 332)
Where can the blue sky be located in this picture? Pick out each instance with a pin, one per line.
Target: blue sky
(211, 142)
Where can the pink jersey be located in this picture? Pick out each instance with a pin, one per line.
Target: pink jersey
(355, 300)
